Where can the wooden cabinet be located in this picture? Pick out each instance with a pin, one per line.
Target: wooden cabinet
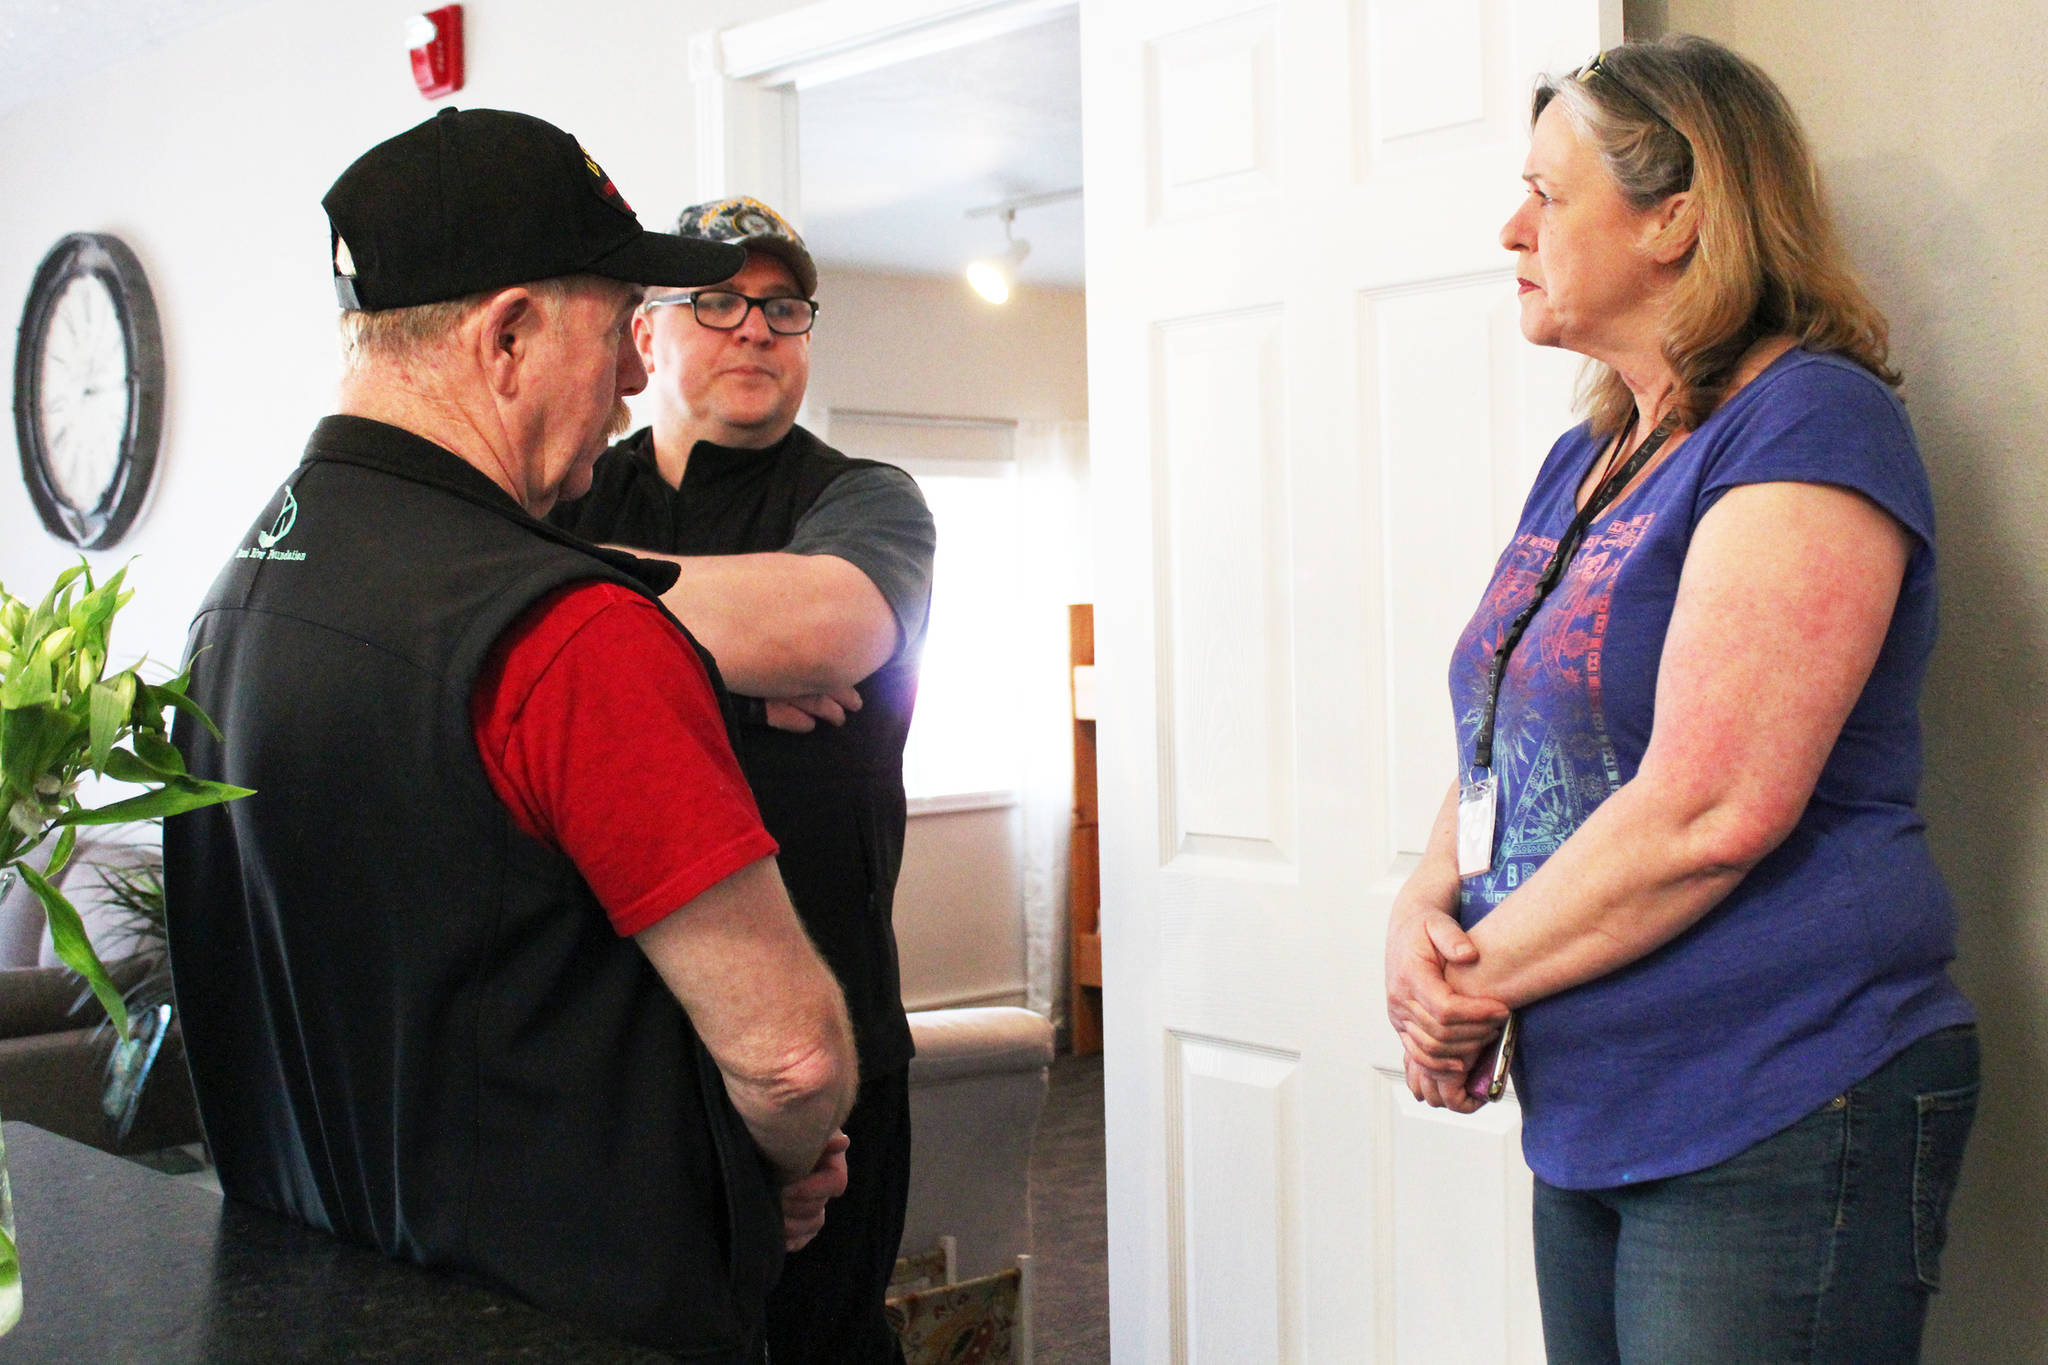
(1084, 876)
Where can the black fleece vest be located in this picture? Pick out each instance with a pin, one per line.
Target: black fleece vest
(409, 1023)
(833, 798)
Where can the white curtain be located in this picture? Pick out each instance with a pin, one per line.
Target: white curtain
(1052, 468)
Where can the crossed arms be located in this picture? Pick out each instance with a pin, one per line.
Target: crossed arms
(798, 630)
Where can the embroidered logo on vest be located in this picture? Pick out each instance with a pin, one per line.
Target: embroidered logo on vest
(266, 541)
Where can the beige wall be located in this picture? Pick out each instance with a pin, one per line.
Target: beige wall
(927, 344)
(1930, 120)
(960, 909)
(209, 155)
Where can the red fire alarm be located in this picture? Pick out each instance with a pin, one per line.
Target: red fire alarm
(436, 42)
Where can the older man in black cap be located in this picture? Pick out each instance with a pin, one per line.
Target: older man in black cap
(496, 972)
(807, 575)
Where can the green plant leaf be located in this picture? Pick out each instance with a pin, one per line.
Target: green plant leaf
(28, 682)
(65, 579)
(112, 703)
(95, 614)
(32, 739)
(13, 616)
(172, 694)
(56, 739)
(125, 766)
(10, 1264)
(74, 949)
(134, 894)
(58, 644)
(19, 730)
(60, 856)
(56, 603)
(160, 754)
(178, 796)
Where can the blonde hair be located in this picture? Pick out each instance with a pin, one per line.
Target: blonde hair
(1766, 260)
(405, 336)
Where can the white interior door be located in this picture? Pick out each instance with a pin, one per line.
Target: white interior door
(1313, 423)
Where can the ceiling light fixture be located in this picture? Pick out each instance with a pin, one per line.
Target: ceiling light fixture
(992, 277)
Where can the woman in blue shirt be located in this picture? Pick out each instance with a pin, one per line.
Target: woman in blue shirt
(1684, 849)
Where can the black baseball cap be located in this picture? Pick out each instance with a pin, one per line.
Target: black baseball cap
(479, 199)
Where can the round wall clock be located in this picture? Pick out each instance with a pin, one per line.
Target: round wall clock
(89, 389)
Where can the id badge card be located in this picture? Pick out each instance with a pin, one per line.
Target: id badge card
(1475, 824)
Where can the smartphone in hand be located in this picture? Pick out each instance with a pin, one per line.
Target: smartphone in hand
(1488, 1078)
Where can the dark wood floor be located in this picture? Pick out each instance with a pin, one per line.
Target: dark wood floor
(1070, 1317)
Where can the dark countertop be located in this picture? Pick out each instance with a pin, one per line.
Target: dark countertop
(121, 1264)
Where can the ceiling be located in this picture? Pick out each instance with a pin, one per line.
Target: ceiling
(892, 158)
(45, 45)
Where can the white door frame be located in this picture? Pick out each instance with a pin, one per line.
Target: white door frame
(746, 80)
(747, 76)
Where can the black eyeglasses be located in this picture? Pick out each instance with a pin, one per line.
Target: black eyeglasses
(1598, 67)
(724, 311)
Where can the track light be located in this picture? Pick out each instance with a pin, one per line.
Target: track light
(992, 277)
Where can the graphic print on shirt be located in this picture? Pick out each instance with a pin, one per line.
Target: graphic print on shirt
(1551, 749)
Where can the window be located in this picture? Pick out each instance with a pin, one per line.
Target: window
(965, 742)
(965, 739)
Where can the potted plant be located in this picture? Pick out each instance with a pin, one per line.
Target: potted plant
(62, 718)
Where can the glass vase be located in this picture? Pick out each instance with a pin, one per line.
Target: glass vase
(10, 1264)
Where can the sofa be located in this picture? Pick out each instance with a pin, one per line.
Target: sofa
(977, 1085)
(54, 1039)
(962, 1290)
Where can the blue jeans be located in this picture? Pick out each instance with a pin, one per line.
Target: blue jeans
(1818, 1246)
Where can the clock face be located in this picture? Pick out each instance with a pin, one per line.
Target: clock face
(83, 397)
(88, 389)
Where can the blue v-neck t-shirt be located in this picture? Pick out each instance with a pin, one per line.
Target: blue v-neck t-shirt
(1827, 959)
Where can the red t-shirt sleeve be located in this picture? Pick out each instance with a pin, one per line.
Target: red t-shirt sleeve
(599, 731)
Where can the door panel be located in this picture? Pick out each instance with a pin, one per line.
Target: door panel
(1225, 593)
(1212, 101)
(1238, 1185)
(1314, 421)
(1461, 1286)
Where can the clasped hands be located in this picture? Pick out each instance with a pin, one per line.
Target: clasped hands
(804, 1199)
(1443, 1032)
(800, 715)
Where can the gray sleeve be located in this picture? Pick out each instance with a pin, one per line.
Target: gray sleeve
(875, 518)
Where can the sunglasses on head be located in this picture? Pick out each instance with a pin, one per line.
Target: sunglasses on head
(1598, 67)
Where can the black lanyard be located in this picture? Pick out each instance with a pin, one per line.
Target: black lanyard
(1553, 573)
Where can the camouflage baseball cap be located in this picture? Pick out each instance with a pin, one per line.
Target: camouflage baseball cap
(750, 223)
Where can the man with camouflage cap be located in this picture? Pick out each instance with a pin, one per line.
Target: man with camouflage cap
(807, 575)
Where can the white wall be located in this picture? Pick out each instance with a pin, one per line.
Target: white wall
(209, 157)
(1930, 120)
